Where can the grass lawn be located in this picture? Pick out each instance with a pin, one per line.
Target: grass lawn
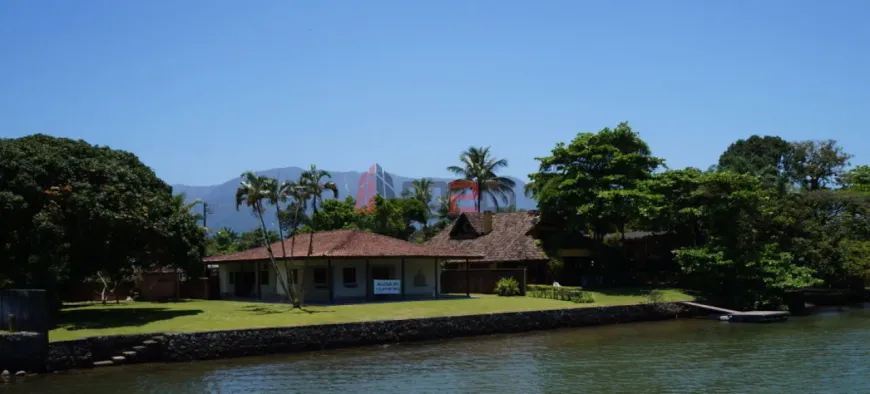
(85, 319)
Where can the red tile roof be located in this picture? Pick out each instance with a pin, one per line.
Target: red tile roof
(344, 244)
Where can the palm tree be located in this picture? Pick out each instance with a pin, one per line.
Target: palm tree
(225, 240)
(423, 192)
(180, 204)
(290, 190)
(312, 184)
(479, 166)
(310, 181)
(253, 191)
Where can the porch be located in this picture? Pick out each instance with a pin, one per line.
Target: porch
(333, 280)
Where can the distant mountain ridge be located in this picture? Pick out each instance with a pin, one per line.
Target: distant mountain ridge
(222, 206)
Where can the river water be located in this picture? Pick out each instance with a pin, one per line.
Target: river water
(824, 353)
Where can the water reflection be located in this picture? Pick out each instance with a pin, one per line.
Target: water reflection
(829, 352)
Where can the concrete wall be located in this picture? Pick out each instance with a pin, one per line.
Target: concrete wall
(223, 344)
(23, 351)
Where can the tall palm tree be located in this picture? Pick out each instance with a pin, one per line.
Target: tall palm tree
(290, 190)
(480, 166)
(313, 184)
(253, 191)
(312, 181)
(423, 192)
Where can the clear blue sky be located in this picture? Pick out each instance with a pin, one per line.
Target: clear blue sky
(203, 90)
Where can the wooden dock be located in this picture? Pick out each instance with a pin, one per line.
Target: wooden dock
(741, 317)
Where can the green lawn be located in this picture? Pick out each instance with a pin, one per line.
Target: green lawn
(85, 320)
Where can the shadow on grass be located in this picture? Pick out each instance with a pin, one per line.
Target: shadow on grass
(83, 319)
(262, 310)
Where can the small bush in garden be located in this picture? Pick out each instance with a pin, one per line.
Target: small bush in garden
(507, 287)
(583, 297)
(655, 297)
(561, 293)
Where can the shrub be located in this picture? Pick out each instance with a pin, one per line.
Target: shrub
(583, 297)
(507, 287)
(563, 293)
(655, 297)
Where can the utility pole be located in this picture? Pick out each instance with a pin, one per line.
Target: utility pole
(204, 214)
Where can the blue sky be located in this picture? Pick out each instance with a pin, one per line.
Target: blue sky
(203, 90)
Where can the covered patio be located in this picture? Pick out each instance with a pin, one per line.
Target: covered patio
(344, 266)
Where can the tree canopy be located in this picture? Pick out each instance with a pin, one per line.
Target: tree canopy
(71, 210)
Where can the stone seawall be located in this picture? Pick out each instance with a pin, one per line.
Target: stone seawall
(238, 343)
(22, 351)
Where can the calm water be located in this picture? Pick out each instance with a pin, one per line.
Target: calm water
(825, 353)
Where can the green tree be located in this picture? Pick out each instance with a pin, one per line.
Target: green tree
(422, 190)
(256, 238)
(592, 181)
(313, 184)
(816, 165)
(742, 261)
(766, 157)
(675, 210)
(254, 191)
(225, 241)
(481, 167)
(337, 215)
(71, 211)
(856, 179)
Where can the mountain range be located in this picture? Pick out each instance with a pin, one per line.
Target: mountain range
(221, 206)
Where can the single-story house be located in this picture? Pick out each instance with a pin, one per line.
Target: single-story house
(504, 240)
(510, 240)
(342, 266)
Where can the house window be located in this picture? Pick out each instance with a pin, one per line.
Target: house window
(420, 279)
(232, 278)
(348, 275)
(320, 278)
(264, 277)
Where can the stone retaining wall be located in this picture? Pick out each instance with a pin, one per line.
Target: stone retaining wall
(22, 351)
(237, 343)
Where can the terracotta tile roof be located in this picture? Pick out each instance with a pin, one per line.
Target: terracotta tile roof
(509, 239)
(344, 244)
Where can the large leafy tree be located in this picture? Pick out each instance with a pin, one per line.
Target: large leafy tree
(856, 179)
(816, 165)
(742, 261)
(592, 182)
(766, 157)
(675, 210)
(71, 210)
(481, 167)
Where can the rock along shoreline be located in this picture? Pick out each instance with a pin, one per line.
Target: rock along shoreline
(30, 352)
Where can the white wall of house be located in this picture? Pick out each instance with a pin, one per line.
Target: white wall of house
(348, 277)
(420, 277)
(224, 270)
(228, 273)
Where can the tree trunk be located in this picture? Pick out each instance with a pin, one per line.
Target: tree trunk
(310, 246)
(299, 290)
(287, 292)
(103, 297)
(259, 209)
(479, 197)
